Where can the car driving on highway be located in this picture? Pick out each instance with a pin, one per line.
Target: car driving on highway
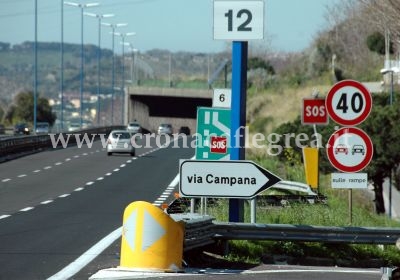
(21, 129)
(42, 128)
(134, 127)
(165, 128)
(119, 141)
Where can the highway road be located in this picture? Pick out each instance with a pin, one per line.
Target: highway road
(55, 205)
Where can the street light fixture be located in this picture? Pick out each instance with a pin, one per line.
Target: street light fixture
(123, 36)
(390, 71)
(113, 27)
(35, 61)
(133, 51)
(99, 17)
(82, 7)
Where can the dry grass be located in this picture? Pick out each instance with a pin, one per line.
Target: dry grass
(279, 106)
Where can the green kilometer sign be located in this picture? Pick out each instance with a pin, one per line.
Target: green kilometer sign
(213, 133)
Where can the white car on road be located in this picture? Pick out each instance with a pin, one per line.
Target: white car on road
(119, 141)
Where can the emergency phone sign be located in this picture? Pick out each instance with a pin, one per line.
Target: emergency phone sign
(314, 111)
(218, 144)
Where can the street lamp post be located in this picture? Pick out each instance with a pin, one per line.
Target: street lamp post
(133, 50)
(113, 27)
(35, 70)
(391, 71)
(82, 7)
(62, 68)
(123, 36)
(99, 17)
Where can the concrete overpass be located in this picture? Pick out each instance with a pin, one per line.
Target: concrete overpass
(177, 106)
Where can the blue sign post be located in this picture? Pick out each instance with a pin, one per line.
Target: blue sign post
(238, 21)
(238, 117)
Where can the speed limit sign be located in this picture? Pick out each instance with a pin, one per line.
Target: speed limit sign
(222, 98)
(348, 103)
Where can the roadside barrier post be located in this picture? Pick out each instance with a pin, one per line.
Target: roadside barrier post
(151, 239)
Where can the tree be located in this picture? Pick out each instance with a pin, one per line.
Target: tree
(258, 63)
(382, 127)
(22, 109)
(376, 43)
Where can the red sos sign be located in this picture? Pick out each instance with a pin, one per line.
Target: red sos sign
(314, 111)
(218, 144)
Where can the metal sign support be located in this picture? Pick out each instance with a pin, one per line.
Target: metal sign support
(238, 117)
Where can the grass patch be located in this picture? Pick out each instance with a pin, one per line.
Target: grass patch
(334, 213)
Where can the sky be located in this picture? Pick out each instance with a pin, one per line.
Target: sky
(175, 25)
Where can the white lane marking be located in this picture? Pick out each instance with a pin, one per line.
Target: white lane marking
(116, 170)
(89, 183)
(58, 163)
(108, 174)
(4, 216)
(64, 195)
(122, 165)
(46, 202)
(100, 178)
(84, 154)
(5, 180)
(26, 209)
(47, 167)
(174, 182)
(129, 161)
(22, 175)
(73, 268)
(76, 156)
(90, 254)
(164, 196)
(67, 159)
(159, 201)
(37, 171)
(78, 189)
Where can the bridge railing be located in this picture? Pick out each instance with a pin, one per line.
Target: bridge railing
(11, 146)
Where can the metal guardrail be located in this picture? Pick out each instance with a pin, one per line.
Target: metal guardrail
(22, 144)
(202, 230)
(349, 235)
(198, 230)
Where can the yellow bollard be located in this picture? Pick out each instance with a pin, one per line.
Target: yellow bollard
(151, 239)
(311, 166)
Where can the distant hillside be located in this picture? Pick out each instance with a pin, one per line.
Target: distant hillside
(17, 61)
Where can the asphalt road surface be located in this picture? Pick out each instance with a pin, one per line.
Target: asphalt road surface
(55, 205)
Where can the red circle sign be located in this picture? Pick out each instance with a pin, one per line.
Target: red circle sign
(348, 102)
(349, 149)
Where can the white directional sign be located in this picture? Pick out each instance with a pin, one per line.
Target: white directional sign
(234, 179)
(239, 20)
